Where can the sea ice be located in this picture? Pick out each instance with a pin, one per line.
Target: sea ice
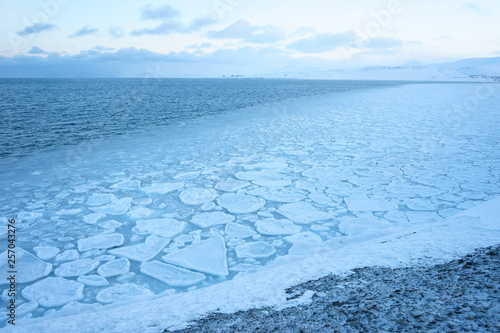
(93, 280)
(171, 275)
(273, 183)
(115, 207)
(164, 227)
(274, 227)
(28, 216)
(260, 175)
(143, 251)
(122, 292)
(140, 212)
(68, 255)
(419, 204)
(163, 188)
(99, 199)
(231, 185)
(240, 203)
(197, 196)
(187, 175)
(46, 252)
(423, 217)
(105, 241)
(238, 231)
(304, 237)
(29, 268)
(54, 291)
(258, 249)
(76, 268)
(129, 184)
(355, 226)
(208, 256)
(206, 220)
(114, 267)
(302, 213)
(92, 218)
(111, 224)
(369, 204)
(279, 194)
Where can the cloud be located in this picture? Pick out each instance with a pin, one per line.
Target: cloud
(324, 42)
(163, 12)
(116, 32)
(174, 26)
(475, 8)
(35, 29)
(36, 50)
(85, 31)
(242, 29)
(101, 48)
(382, 43)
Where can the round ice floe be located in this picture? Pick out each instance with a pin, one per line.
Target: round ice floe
(76, 268)
(46, 252)
(274, 227)
(93, 280)
(105, 241)
(255, 250)
(114, 267)
(54, 291)
(238, 231)
(197, 196)
(99, 199)
(143, 251)
(231, 185)
(29, 267)
(302, 213)
(304, 237)
(165, 227)
(122, 292)
(240, 203)
(206, 220)
(140, 212)
(171, 275)
(279, 194)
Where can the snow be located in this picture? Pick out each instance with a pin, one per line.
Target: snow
(143, 251)
(197, 196)
(356, 226)
(208, 256)
(54, 291)
(240, 203)
(105, 241)
(29, 268)
(171, 275)
(302, 213)
(206, 220)
(123, 292)
(114, 267)
(165, 227)
(258, 249)
(76, 268)
(275, 227)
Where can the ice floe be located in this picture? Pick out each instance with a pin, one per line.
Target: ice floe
(206, 220)
(231, 185)
(29, 268)
(171, 275)
(54, 291)
(128, 184)
(114, 267)
(68, 255)
(115, 207)
(143, 251)
(122, 292)
(208, 256)
(197, 196)
(369, 204)
(105, 241)
(165, 227)
(99, 199)
(258, 249)
(240, 203)
(275, 227)
(163, 188)
(76, 268)
(46, 252)
(238, 231)
(302, 213)
(279, 194)
(93, 280)
(92, 218)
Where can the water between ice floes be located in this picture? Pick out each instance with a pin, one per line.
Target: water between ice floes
(186, 206)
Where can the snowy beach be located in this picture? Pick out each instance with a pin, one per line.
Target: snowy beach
(148, 231)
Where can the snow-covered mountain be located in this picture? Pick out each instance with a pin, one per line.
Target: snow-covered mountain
(476, 69)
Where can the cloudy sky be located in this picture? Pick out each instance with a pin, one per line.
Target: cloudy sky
(199, 38)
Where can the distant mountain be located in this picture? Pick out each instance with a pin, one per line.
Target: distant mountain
(476, 69)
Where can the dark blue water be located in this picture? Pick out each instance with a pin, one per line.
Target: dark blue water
(42, 113)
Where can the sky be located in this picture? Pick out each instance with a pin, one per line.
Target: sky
(211, 38)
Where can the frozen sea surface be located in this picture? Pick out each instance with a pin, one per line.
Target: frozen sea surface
(187, 206)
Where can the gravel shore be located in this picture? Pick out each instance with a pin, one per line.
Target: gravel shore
(459, 296)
